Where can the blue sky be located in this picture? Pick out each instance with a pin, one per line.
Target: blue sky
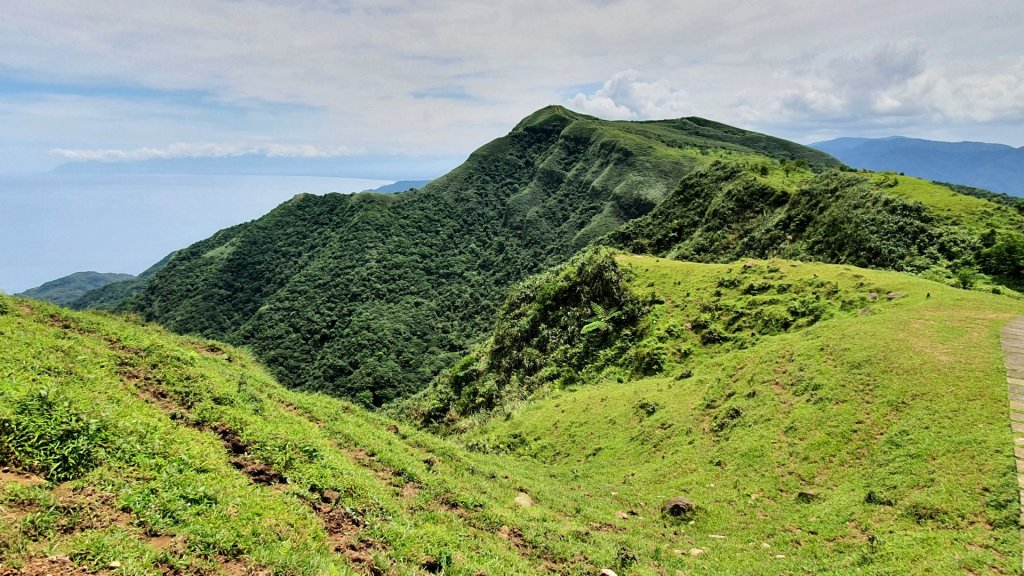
(124, 80)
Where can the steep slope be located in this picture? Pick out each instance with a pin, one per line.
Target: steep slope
(822, 419)
(737, 209)
(991, 166)
(64, 291)
(121, 443)
(369, 296)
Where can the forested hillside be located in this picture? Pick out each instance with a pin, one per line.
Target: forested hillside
(369, 296)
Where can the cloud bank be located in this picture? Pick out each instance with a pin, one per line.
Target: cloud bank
(445, 77)
(188, 150)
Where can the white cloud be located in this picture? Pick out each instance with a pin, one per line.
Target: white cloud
(624, 96)
(349, 71)
(192, 150)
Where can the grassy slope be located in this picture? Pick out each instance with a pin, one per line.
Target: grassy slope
(205, 464)
(950, 206)
(905, 403)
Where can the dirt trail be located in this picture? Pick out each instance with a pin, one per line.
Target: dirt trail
(1013, 355)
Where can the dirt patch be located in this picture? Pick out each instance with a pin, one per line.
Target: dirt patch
(410, 490)
(163, 542)
(89, 509)
(235, 567)
(343, 529)
(364, 459)
(606, 527)
(52, 566)
(208, 348)
(62, 323)
(259, 472)
(9, 476)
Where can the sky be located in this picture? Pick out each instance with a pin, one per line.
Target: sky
(120, 80)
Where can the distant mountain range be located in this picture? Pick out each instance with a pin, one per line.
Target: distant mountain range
(995, 167)
(401, 186)
(64, 291)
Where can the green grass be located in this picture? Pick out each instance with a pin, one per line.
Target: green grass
(892, 424)
(867, 438)
(950, 206)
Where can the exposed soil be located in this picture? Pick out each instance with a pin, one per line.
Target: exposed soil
(52, 566)
(343, 534)
(9, 476)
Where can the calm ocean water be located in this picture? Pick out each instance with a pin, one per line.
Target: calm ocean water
(53, 225)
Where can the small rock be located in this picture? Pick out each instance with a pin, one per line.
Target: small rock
(780, 556)
(330, 496)
(765, 545)
(873, 296)
(392, 428)
(679, 507)
(716, 536)
(806, 496)
(114, 564)
(524, 500)
(608, 572)
(895, 295)
(621, 515)
(696, 551)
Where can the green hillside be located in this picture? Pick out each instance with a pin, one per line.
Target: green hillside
(64, 291)
(369, 296)
(823, 419)
(763, 209)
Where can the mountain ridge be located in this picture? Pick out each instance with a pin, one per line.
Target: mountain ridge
(996, 167)
(371, 295)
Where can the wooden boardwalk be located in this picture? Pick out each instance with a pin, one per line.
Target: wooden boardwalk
(1013, 355)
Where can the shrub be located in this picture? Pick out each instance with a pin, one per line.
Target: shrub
(47, 435)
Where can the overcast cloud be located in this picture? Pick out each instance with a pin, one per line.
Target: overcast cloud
(124, 79)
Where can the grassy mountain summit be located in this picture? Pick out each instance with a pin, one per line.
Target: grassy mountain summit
(369, 296)
(819, 418)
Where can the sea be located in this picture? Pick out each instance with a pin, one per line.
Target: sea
(52, 225)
